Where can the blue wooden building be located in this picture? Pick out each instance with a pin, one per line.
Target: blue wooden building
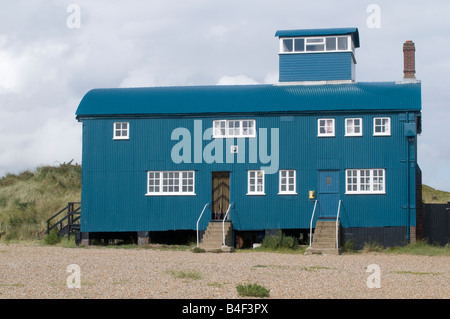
(245, 160)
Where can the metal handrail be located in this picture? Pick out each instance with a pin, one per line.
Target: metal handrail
(206, 205)
(223, 224)
(310, 225)
(337, 218)
(69, 211)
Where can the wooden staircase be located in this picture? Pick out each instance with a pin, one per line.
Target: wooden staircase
(66, 221)
(213, 237)
(324, 239)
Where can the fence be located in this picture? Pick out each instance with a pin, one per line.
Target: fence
(436, 223)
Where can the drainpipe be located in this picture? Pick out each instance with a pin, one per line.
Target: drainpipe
(408, 206)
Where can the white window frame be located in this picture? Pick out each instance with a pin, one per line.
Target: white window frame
(170, 183)
(365, 181)
(234, 128)
(386, 126)
(118, 131)
(326, 126)
(220, 128)
(309, 41)
(258, 178)
(286, 181)
(350, 126)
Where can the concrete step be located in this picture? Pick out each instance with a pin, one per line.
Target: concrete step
(213, 237)
(324, 238)
(323, 245)
(323, 251)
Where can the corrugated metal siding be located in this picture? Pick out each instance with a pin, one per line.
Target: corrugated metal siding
(115, 179)
(316, 67)
(251, 99)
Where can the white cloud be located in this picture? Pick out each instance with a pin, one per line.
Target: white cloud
(217, 31)
(236, 80)
(138, 78)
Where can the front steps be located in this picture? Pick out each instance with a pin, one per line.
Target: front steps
(324, 239)
(213, 237)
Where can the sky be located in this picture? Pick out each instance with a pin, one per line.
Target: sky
(53, 52)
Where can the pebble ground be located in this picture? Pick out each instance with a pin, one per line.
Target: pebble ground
(41, 272)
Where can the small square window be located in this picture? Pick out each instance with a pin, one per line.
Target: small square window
(219, 128)
(255, 183)
(287, 182)
(121, 131)
(382, 126)
(325, 127)
(353, 127)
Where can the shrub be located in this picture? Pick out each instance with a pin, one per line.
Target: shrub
(198, 250)
(279, 241)
(349, 246)
(52, 238)
(252, 290)
(372, 246)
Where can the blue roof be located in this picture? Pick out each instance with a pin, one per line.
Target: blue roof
(321, 32)
(363, 96)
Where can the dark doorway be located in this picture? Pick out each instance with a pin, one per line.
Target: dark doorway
(220, 194)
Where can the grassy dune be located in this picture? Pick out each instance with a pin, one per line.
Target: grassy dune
(28, 199)
(434, 196)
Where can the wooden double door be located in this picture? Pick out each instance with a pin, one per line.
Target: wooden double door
(220, 194)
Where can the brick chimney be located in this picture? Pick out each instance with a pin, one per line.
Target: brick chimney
(409, 63)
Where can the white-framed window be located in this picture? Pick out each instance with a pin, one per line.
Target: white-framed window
(234, 128)
(170, 183)
(353, 127)
(287, 182)
(316, 44)
(382, 126)
(121, 131)
(325, 127)
(220, 128)
(365, 181)
(255, 182)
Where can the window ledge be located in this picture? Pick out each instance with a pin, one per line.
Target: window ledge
(365, 193)
(171, 194)
(256, 194)
(287, 193)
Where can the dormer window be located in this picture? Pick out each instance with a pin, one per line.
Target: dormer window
(316, 44)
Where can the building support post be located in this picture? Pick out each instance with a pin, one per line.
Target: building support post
(143, 237)
(84, 239)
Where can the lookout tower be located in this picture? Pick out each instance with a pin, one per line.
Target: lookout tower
(317, 54)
